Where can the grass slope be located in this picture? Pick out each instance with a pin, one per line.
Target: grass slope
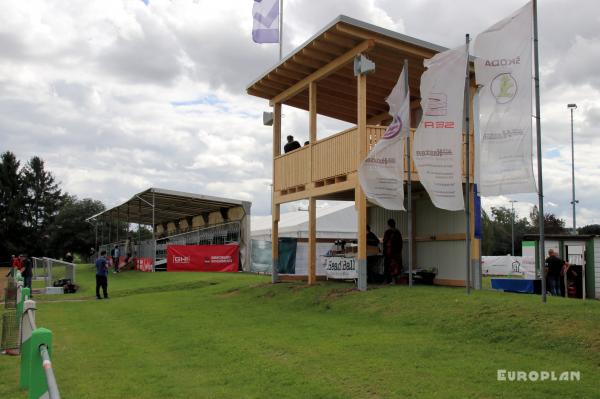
(202, 335)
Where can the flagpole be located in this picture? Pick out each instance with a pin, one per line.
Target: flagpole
(409, 186)
(538, 128)
(468, 170)
(280, 30)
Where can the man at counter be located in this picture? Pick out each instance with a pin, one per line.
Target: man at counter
(392, 251)
(372, 259)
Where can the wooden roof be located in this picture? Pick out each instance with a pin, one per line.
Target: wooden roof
(327, 59)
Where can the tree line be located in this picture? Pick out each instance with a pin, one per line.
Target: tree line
(36, 216)
(497, 235)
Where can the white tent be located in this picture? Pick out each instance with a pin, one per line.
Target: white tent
(333, 223)
(337, 221)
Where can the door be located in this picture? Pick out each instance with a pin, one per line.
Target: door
(575, 255)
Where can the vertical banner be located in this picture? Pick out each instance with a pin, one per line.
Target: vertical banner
(437, 150)
(381, 174)
(265, 16)
(202, 258)
(503, 68)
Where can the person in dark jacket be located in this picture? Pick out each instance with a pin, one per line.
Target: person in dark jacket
(392, 252)
(554, 268)
(102, 275)
(291, 144)
(26, 272)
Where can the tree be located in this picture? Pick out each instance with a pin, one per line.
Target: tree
(552, 224)
(69, 231)
(590, 229)
(12, 198)
(498, 232)
(43, 201)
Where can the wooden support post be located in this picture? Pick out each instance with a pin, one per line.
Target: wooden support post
(275, 208)
(312, 109)
(312, 207)
(360, 199)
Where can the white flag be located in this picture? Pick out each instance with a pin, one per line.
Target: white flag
(381, 175)
(503, 68)
(437, 150)
(265, 16)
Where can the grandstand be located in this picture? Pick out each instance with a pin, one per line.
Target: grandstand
(175, 218)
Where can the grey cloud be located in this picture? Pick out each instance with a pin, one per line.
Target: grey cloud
(154, 56)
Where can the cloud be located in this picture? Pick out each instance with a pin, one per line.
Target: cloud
(119, 96)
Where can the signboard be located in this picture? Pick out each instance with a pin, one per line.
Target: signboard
(202, 258)
(509, 266)
(339, 267)
(143, 264)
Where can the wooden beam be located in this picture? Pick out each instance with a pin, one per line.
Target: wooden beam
(323, 72)
(339, 40)
(312, 106)
(305, 60)
(377, 119)
(317, 55)
(395, 44)
(328, 47)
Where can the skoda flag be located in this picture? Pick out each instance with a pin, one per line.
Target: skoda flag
(503, 68)
(265, 28)
(381, 175)
(437, 150)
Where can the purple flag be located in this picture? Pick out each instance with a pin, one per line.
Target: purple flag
(266, 21)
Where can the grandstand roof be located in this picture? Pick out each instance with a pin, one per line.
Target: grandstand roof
(169, 205)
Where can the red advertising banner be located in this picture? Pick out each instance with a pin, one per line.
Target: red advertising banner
(143, 264)
(202, 258)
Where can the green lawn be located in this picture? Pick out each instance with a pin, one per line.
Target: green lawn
(204, 335)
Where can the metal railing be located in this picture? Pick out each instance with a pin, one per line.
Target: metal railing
(224, 233)
(37, 374)
(51, 270)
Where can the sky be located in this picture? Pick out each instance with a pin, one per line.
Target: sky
(119, 96)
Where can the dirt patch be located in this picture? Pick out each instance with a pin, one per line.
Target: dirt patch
(228, 294)
(337, 293)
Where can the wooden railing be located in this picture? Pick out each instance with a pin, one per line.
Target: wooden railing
(292, 169)
(332, 156)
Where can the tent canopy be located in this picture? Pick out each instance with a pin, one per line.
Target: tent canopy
(169, 205)
(338, 221)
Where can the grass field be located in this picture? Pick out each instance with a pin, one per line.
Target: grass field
(204, 335)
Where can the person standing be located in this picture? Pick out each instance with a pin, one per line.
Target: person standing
(69, 257)
(102, 275)
(553, 269)
(115, 258)
(392, 252)
(26, 272)
(291, 144)
(15, 264)
(372, 257)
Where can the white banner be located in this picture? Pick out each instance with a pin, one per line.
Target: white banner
(503, 68)
(508, 266)
(339, 267)
(437, 150)
(381, 175)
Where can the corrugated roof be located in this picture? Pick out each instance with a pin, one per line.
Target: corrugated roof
(170, 205)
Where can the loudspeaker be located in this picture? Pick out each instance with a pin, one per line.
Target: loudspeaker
(268, 118)
(363, 65)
